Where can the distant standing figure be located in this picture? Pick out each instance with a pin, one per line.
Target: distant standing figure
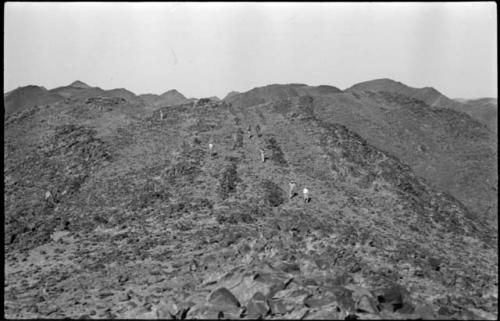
(161, 114)
(291, 193)
(305, 192)
(249, 131)
(262, 155)
(210, 149)
(257, 130)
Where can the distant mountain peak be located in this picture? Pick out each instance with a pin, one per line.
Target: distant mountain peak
(379, 83)
(79, 84)
(173, 92)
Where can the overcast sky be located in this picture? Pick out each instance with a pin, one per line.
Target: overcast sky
(205, 49)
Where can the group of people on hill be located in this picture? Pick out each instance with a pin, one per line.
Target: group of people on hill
(292, 184)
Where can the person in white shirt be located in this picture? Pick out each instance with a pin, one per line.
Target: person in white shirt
(305, 192)
(210, 149)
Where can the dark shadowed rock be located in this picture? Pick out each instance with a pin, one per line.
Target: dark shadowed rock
(394, 298)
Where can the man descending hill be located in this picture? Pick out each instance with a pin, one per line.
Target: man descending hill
(291, 192)
(305, 192)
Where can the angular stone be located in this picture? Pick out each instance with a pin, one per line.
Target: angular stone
(257, 307)
(313, 302)
(297, 314)
(366, 304)
(166, 309)
(223, 298)
(277, 306)
(124, 296)
(392, 298)
(251, 283)
(324, 315)
(289, 267)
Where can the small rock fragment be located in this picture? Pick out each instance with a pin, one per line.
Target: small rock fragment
(123, 297)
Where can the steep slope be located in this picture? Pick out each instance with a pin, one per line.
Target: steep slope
(26, 97)
(231, 94)
(429, 95)
(140, 221)
(448, 148)
(484, 110)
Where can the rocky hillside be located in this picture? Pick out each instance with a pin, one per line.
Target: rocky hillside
(112, 211)
(268, 93)
(451, 150)
(78, 90)
(428, 95)
(483, 110)
(24, 98)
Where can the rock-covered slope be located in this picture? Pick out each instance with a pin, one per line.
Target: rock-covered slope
(79, 90)
(483, 110)
(429, 95)
(26, 97)
(273, 92)
(448, 148)
(129, 216)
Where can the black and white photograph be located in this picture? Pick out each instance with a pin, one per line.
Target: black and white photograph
(250, 160)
